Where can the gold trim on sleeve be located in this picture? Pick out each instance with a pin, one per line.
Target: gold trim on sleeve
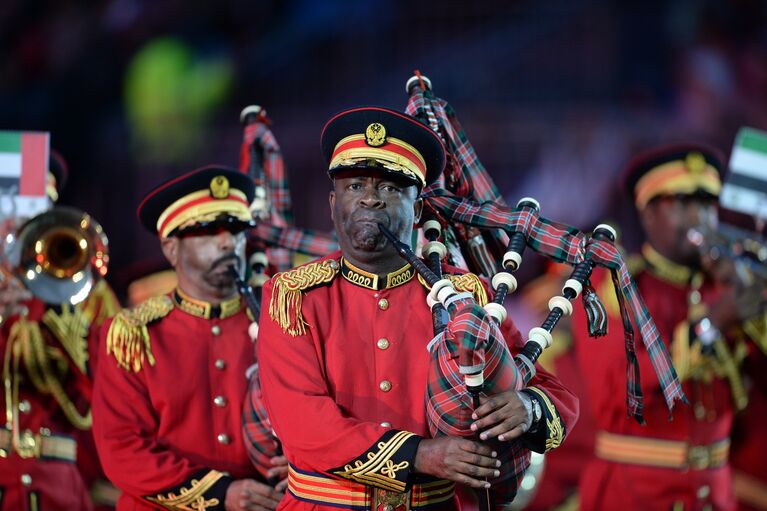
(554, 424)
(380, 470)
(192, 498)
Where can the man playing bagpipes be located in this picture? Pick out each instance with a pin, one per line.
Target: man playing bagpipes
(678, 464)
(49, 351)
(467, 202)
(343, 344)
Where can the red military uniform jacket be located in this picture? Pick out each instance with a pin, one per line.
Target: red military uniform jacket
(47, 375)
(749, 441)
(666, 464)
(168, 401)
(344, 369)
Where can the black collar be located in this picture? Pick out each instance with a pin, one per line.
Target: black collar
(206, 310)
(360, 277)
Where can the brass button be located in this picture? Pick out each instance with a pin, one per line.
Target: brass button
(385, 385)
(219, 401)
(25, 406)
(383, 343)
(333, 264)
(386, 424)
(383, 304)
(26, 479)
(223, 438)
(388, 507)
(220, 363)
(703, 492)
(215, 330)
(695, 297)
(3, 452)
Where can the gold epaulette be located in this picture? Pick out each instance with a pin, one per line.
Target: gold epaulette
(128, 336)
(287, 295)
(467, 282)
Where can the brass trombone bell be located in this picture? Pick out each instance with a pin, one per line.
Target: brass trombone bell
(59, 254)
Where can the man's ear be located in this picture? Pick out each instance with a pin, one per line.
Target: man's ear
(169, 247)
(332, 202)
(417, 210)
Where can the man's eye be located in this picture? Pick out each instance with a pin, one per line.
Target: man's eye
(355, 186)
(390, 188)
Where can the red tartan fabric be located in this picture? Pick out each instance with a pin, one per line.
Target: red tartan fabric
(563, 243)
(256, 428)
(464, 176)
(473, 342)
(277, 235)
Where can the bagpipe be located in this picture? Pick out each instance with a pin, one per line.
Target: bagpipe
(469, 354)
(272, 246)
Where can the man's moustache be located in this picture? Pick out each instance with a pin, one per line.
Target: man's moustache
(226, 258)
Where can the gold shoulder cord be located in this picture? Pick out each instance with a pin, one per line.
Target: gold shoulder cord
(287, 294)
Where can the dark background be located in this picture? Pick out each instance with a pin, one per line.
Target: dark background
(555, 96)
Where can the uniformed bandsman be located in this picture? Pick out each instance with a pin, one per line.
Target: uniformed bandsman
(47, 379)
(170, 388)
(680, 464)
(343, 343)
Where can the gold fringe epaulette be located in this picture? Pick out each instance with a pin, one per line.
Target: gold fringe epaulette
(287, 295)
(468, 282)
(128, 336)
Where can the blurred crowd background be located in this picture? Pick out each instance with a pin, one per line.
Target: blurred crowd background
(555, 96)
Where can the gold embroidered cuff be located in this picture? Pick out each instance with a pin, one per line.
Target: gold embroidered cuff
(204, 490)
(551, 429)
(387, 464)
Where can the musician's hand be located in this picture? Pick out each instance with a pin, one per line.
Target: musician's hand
(742, 295)
(12, 294)
(457, 459)
(250, 495)
(279, 471)
(505, 416)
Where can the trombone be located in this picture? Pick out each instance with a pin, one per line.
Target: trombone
(58, 255)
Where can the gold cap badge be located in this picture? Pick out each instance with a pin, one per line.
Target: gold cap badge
(219, 187)
(695, 162)
(375, 135)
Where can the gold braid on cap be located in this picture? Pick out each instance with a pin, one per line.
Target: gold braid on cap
(287, 295)
(128, 336)
(468, 282)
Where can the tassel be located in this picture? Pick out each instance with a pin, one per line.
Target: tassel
(595, 311)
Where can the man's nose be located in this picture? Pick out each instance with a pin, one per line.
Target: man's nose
(225, 240)
(371, 198)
